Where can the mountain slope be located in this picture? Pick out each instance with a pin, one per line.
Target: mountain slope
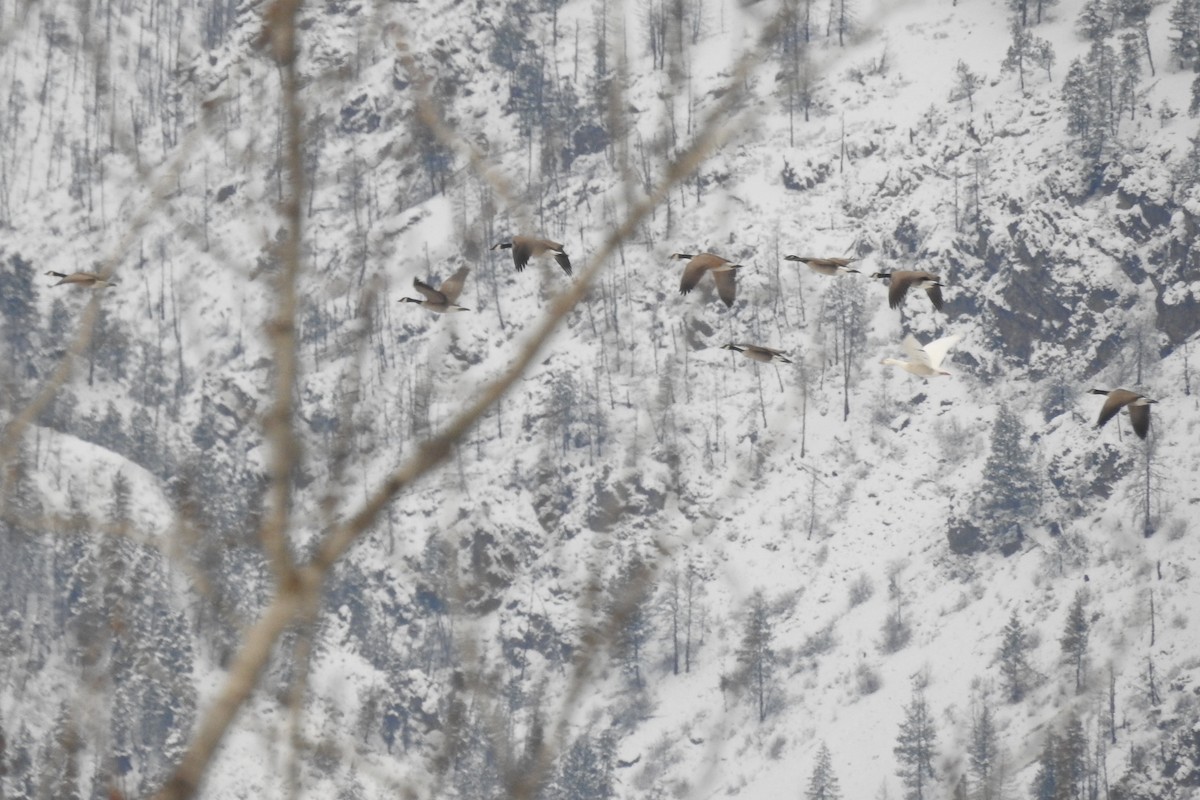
(634, 459)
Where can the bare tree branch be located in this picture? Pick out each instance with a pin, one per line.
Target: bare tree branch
(279, 31)
(309, 579)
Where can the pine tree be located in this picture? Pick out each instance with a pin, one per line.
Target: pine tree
(1079, 94)
(1135, 14)
(823, 784)
(1044, 57)
(1012, 490)
(1045, 781)
(757, 655)
(982, 751)
(1102, 65)
(627, 609)
(1130, 71)
(1017, 51)
(1074, 641)
(916, 747)
(1095, 21)
(18, 311)
(587, 769)
(1020, 10)
(966, 86)
(1025, 51)
(60, 776)
(1042, 7)
(841, 19)
(1071, 760)
(1185, 22)
(1014, 669)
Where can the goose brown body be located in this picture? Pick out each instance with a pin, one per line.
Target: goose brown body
(1139, 409)
(756, 352)
(900, 282)
(722, 269)
(89, 279)
(527, 247)
(825, 266)
(444, 298)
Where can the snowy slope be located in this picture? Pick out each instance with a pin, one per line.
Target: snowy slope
(633, 432)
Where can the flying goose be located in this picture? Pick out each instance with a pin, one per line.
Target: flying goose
(527, 247)
(1139, 408)
(723, 271)
(926, 360)
(825, 266)
(900, 282)
(756, 352)
(442, 299)
(89, 279)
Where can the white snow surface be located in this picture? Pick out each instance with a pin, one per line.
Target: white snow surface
(774, 491)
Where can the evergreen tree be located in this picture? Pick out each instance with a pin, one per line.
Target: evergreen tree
(18, 312)
(1185, 22)
(477, 772)
(109, 349)
(796, 78)
(1089, 92)
(1095, 21)
(757, 655)
(1071, 760)
(896, 631)
(1102, 64)
(1074, 641)
(1042, 7)
(627, 609)
(966, 85)
(1043, 56)
(982, 752)
(1189, 167)
(1012, 492)
(1014, 669)
(1045, 781)
(916, 747)
(1026, 50)
(21, 551)
(823, 784)
(586, 770)
(60, 762)
(841, 19)
(1135, 14)
(1079, 95)
(110, 432)
(19, 774)
(1130, 72)
(1020, 10)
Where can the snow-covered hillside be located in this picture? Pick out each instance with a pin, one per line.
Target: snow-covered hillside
(654, 568)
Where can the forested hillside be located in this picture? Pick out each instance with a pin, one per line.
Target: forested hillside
(266, 530)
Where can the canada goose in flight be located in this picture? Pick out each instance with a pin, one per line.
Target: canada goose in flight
(926, 360)
(723, 271)
(900, 282)
(1139, 408)
(825, 266)
(443, 298)
(756, 352)
(527, 247)
(89, 279)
